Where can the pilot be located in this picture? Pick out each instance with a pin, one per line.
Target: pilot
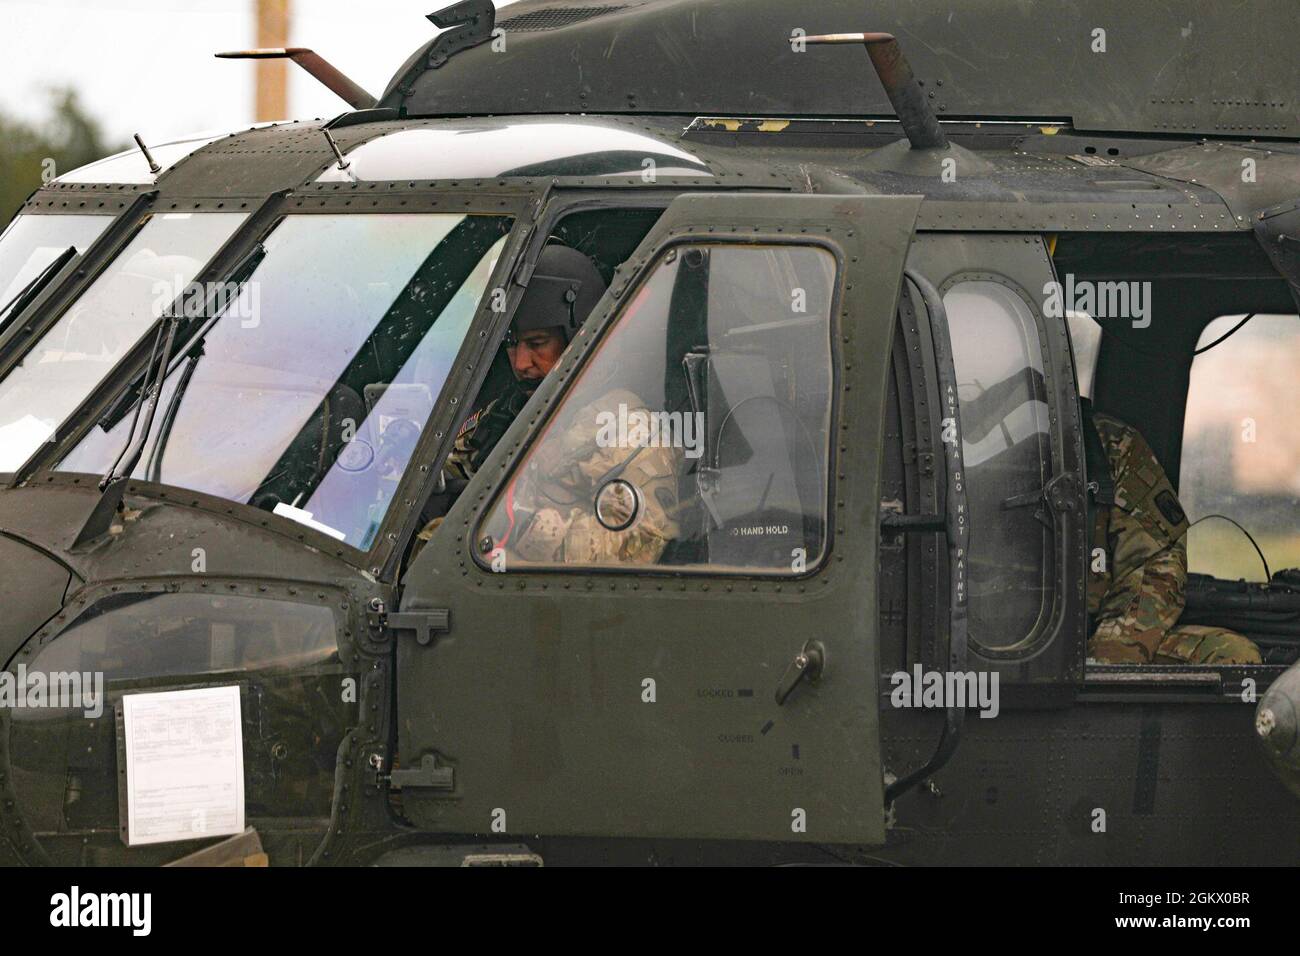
(553, 518)
(564, 287)
(1138, 577)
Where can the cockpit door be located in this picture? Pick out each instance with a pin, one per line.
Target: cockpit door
(654, 608)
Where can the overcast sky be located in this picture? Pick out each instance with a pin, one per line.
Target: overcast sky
(146, 65)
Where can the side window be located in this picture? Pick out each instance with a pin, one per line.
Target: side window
(284, 654)
(1004, 414)
(1241, 447)
(137, 636)
(697, 435)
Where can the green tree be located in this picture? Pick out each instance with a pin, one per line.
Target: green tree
(69, 138)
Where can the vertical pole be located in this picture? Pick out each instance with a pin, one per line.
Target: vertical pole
(272, 96)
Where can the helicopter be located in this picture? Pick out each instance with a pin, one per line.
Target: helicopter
(880, 253)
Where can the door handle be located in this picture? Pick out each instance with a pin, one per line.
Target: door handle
(809, 663)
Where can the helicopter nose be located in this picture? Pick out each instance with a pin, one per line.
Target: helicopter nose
(31, 592)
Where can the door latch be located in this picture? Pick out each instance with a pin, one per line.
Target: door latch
(1060, 495)
(809, 663)
(427, 776)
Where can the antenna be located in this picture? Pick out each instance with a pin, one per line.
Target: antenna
(914, 113)
(927, 151)
(153, 167)
(329, 75)
(338, 154)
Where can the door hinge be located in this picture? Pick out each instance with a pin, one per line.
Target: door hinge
(425, 624)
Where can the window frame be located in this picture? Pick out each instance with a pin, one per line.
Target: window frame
(608, 316)
(1048, 611)
(1050, 670)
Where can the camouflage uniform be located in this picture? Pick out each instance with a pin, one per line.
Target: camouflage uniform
(474, 442)
(481, 432)
(551, 506)
(1138, 597)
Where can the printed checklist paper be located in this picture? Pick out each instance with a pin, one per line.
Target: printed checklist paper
(184, 765)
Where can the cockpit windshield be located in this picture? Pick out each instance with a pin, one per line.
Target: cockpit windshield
(306, 396)
(31, 243)
(90, 338)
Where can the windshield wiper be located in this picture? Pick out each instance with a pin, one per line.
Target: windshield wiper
(152, 378)
(134, 391)
(193, 352)
(153, 467)
(29, 292)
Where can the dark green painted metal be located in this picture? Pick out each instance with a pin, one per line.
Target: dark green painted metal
(534, 696)
(1196, 67)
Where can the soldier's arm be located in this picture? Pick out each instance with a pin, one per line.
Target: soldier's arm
(653, 472)
(556, 496)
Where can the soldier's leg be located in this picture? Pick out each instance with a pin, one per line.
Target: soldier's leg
(1145, 597)
(1148, 606)
(1115, 646)
(1197, 644)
